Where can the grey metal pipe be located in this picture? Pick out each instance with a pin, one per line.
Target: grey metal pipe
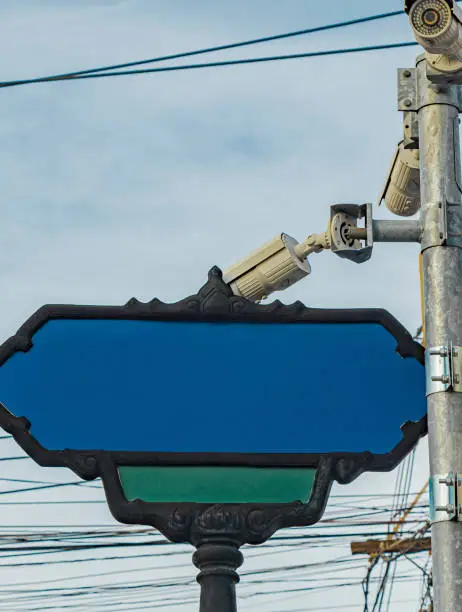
(442, 272)
(389, 231)
(396, 231)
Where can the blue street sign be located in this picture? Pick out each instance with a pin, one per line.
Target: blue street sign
(213, 382)
(289, 388)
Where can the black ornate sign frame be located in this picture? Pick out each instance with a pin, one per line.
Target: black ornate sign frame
(194, 522)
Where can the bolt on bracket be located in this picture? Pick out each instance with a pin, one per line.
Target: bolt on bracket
(445, 497)
(441, 71)
(411, 130)
(343, 220)
(443, 368)
(436, 233)
(407, 89)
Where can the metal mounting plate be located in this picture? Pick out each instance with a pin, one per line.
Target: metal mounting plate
(443, 366)
(407, 93)
(437, 231)
(441, 69)
(445, 497)
(344, 216)
(438, 369)
(411, 130)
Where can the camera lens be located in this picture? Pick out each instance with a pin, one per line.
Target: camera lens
(431, 17)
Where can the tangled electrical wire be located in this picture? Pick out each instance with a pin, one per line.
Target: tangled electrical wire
(389, 559)
(395, 547)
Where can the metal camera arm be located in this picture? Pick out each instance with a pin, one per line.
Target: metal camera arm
(355, 242)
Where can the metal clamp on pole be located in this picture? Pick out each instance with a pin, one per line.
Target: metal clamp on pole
(446, 497)
(443, 366)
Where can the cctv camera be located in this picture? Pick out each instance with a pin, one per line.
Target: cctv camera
(273, 267)
(402, 186)
(437, 26)
(276, 265)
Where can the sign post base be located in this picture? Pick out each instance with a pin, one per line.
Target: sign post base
(217, 561)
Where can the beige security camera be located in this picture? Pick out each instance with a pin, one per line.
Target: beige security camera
(401, 191)
(437, 26)
(276, 265)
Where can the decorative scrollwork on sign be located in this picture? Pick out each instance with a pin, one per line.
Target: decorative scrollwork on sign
(83, 463)
(215, 294)
(258, 520)
(17, 426)
(346, 469)
(218, 518)
(193, 305)
(179, 520)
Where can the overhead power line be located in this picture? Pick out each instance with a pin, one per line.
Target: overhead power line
(235, 45)
(45, 482)
(78, 483)
(75, 548)
(34, 502)
(13, 458)
(250, 60)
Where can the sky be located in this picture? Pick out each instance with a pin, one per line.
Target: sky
(136, 186)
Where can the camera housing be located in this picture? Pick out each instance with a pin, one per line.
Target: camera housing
(437, 26)
(401, 191)
(273, 267)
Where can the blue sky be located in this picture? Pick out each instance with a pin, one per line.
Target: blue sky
(136, 186)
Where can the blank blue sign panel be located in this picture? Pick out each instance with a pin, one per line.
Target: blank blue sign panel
(127, 385)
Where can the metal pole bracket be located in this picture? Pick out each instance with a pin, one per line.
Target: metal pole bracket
(443, 367)
(444, 70)
(441, 73)
(446, 497)
(411, 130)
(407, 89)
(436, 233)
(343, 219)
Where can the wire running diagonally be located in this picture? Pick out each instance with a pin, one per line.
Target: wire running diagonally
(235, 45)
(250, 60)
